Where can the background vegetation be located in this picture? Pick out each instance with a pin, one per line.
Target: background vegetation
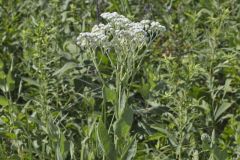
(185, 98)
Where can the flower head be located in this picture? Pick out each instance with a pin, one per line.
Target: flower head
(123, 32)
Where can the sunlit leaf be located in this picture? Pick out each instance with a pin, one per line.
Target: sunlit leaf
(4, 101)
(66, 67)
(10, 82)
(109, 94)
(222, 109)
(58, 153)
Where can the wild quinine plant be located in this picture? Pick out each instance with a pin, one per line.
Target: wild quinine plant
(125, 44)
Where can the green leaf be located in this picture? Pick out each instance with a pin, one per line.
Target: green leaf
(2, 75)
(222, 109)
(35, 144)
(10, 82)
(218, 153)
(103, 58)
(170, 136)
(130, 150)
(123, 103)
(65, 5)
(2, 81)
(71, 149)
(10, 135)
(66, 67)
(70, 47)
(7, 82)
(1, 122)
(62, 144)
(123, 125)
(105, 141)
(109, 94)
(58, 153)
(1, 64)
(153, 103)
(227, 116)
(3, 101)
(227, 86)
(144, 90)
(31, 81)
(155, 136)
(205, 106)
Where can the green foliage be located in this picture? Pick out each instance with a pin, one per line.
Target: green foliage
(181, 103)
(105, 141)
(124, 123)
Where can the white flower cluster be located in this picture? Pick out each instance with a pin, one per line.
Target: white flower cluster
(115, 19)
(120, 32)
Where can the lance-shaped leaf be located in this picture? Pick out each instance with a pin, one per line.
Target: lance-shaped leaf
(66, 67)
(221, 110)
(130, 150)
(105, 142)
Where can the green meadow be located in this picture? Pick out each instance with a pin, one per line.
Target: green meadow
(172, 94)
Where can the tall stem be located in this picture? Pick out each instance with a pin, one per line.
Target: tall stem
(104, 112)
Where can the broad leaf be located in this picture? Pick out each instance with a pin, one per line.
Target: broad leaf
(109, 94)
(218, 153)
(3, 101)
(122, 126)
(70, 47)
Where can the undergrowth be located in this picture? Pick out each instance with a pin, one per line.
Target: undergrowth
(183, 100)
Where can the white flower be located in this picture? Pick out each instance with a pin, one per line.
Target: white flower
(115, 19)
(109, 16)
(92, 39)
(156, 27)
(135, 26)
(101, 28)
(145, 22)
(124, 33)
(82, 39)
(120, 22)
(95, 28)
(205, 137)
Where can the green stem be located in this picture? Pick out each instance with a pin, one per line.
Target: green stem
(104, 112)
(118, 95)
